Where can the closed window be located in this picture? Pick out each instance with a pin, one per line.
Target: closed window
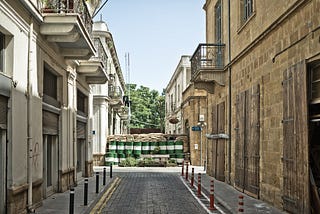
(50, 84)
(81, 102)
(1, 52)
(218, 23)
(246, 10)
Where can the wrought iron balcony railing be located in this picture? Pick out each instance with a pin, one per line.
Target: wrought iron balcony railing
(207, 57)
(115, 92)
(68, 6)
(101, 53)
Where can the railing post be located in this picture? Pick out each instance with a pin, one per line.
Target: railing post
(97, 182)
(182, 172)
(71, 202)
(192, 177)
(187, 168)
(110, 170)
(85, 194)
(104, 176)
(199, 184)
(212, 196)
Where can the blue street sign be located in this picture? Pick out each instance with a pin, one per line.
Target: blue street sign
(196, 128)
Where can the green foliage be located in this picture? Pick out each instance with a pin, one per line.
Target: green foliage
(147, 107)
(129, 162)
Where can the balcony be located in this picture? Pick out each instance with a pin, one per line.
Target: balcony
(94, 69)
(207, 65)
(115, 94)
(68, 24)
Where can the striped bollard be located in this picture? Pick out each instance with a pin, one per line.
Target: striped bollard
(182, 172)
(240, 204)
(187, 169)
(192, 177)
(212, 196)
(199, 184)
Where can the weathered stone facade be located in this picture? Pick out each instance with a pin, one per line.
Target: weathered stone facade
(194, 103)
(274, 48)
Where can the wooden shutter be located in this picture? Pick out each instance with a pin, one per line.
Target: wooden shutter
(295, 140)
(214, 141)
(3, 110)
(248, 141)
(221, 143)
(252, 147)
(81, 130)
(239, 152)
(50, 123)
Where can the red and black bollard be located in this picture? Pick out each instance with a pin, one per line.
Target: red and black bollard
(212, 196)
(187, 169)
(192, 177)
(182, 172)
(199, 184)
(240, 204)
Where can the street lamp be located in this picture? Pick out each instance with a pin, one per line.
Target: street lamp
(201, 124)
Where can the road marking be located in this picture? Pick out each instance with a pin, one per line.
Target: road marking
(199, 201)
(106, 196)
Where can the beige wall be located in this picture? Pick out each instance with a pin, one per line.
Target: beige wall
(287, 31)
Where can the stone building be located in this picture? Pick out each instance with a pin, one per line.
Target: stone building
(173, 96)
(48, 63)
(260, 67)
(110, 115)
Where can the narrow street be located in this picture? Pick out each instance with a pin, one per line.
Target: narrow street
(151, 192)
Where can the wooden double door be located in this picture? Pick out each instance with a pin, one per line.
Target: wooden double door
(247, 140)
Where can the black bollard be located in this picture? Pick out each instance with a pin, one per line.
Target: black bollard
(104, 176)
(111, 170)
(71, 204)
(97, 182)
(85, 199)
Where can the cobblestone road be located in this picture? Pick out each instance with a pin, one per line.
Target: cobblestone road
(151, 192)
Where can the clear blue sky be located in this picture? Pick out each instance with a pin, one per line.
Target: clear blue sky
(155, 34)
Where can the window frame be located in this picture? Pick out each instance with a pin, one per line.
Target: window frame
(246, 9)
(2, 52)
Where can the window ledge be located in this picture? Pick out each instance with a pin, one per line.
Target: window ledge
(246, 22)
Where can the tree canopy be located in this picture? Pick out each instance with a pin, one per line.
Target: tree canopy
(147, 107)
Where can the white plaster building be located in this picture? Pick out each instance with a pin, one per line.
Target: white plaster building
(48, 63)
(108, 108)
(173, 95)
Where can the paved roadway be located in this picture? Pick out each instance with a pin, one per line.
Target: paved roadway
(151, 192)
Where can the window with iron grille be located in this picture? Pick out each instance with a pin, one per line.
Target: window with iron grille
(246, 10)
(218, 23)
(1, 52)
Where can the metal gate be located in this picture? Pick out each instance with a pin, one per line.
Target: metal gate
(295, 140)
(248, 141)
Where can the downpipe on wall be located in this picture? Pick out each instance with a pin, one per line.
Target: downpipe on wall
(29, 120)
(229, 89)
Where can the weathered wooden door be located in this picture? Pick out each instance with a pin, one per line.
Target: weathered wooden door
(248, 141)
(218, 145)
(295, 140)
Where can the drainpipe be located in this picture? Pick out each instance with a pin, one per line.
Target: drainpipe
(29, 119)
(229, 78)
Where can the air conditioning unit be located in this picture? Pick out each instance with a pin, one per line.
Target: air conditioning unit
(201, 118)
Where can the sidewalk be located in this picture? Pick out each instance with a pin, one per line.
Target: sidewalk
(228, 195)
(58, 203)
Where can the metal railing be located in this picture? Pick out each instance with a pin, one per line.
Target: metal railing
(114, 92)
(207, 56)
(68, 6)
(100, 54)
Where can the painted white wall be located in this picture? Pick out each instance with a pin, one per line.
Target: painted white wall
(178, 83)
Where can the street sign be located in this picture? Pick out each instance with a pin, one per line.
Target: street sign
(196, 128)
